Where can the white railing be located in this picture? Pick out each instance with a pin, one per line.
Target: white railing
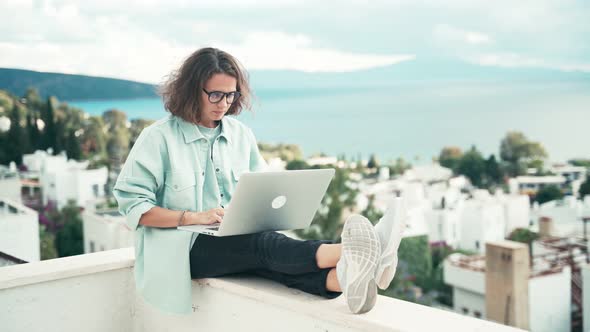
(96, 292)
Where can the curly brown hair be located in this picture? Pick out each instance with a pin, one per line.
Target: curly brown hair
(182, 90)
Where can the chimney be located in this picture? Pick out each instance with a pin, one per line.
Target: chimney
(546, 227)
(507, 283)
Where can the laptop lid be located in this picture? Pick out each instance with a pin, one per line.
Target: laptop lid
(271, 201)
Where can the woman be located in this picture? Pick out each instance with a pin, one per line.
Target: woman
(183, 169)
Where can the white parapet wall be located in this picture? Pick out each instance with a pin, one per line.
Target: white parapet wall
(96, 292)
(19, 231)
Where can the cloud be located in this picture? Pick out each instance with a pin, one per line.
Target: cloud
(68, 39)
(297, 52)
(445, 33)
(511, 60)
(146, 39)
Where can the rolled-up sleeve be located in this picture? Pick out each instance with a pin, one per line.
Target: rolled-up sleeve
(257, 162)
(141, 177)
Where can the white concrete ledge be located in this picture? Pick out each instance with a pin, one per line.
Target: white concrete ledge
(66, 267)
(388, 315)
(99, 288)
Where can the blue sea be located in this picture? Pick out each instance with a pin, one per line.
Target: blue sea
(411, 120)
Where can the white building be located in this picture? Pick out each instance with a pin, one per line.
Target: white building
(63, 180)
(529, 185)
(428, 173)
(517, 211)
(567, 214)
(322, 161)
(105, 229)
(569, 172)
(549, 292)
(439, 207)
(10, 186)
(574, 176)
(19, 231)
(482, 220)
(275, 164)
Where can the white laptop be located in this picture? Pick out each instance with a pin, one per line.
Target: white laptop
(271, 201)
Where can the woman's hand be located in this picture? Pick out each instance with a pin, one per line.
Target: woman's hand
(204, 218)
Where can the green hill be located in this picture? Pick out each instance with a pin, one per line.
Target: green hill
(72, 87)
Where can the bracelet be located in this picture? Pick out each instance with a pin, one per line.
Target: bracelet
(180, 219)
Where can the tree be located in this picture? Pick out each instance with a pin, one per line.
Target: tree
(47, 243)
(118, 138)
(327, 222)
(585, 188)
(49, 132)
(548, 193)
(73, 149)
(370, 212)
(472, 165)
(137, 125)
(450, 157)
(32, 132)
(33, 99)
(524, 235)
(416, 252)
(516, 150)
(373, 162)
(93, 139)
(399, 167)
(18, 140)
(69, 239)
(494, 174)
(297, 164)
(580, 162)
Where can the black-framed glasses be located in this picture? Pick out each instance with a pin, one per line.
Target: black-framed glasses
(216, 96)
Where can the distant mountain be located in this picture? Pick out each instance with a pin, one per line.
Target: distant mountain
(293, 83)
(72, 87)
(420, 70)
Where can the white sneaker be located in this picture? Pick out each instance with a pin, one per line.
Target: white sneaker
(389, 230)
(358, 263)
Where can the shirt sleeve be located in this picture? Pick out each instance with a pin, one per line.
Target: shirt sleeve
(257, 162)
(141, 177)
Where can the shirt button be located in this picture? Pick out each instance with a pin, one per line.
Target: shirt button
(221, 195)
(217, 170)
(223, 206)
(203, 173)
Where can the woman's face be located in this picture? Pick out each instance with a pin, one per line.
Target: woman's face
(211, 112)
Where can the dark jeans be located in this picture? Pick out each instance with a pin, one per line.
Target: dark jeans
(269, 255)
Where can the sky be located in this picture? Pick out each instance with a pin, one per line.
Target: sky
(144, 40)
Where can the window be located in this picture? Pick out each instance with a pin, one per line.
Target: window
(95, 190)
(477, 314)
(477, 245)
(465, 311)
(91, 246)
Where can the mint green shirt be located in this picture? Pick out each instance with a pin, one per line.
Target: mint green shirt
(210, 195)
(170, 166)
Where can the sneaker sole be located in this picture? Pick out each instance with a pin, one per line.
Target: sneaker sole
(361, 250)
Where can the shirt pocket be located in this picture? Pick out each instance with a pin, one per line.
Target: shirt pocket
(180, 190)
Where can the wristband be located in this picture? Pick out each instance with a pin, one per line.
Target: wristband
(180, 223)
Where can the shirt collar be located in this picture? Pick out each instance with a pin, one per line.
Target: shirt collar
(192, 133)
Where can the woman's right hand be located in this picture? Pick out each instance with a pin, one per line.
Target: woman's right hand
(205, 218)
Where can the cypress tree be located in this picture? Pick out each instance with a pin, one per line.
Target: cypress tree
(18, 140)
(49, 132)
